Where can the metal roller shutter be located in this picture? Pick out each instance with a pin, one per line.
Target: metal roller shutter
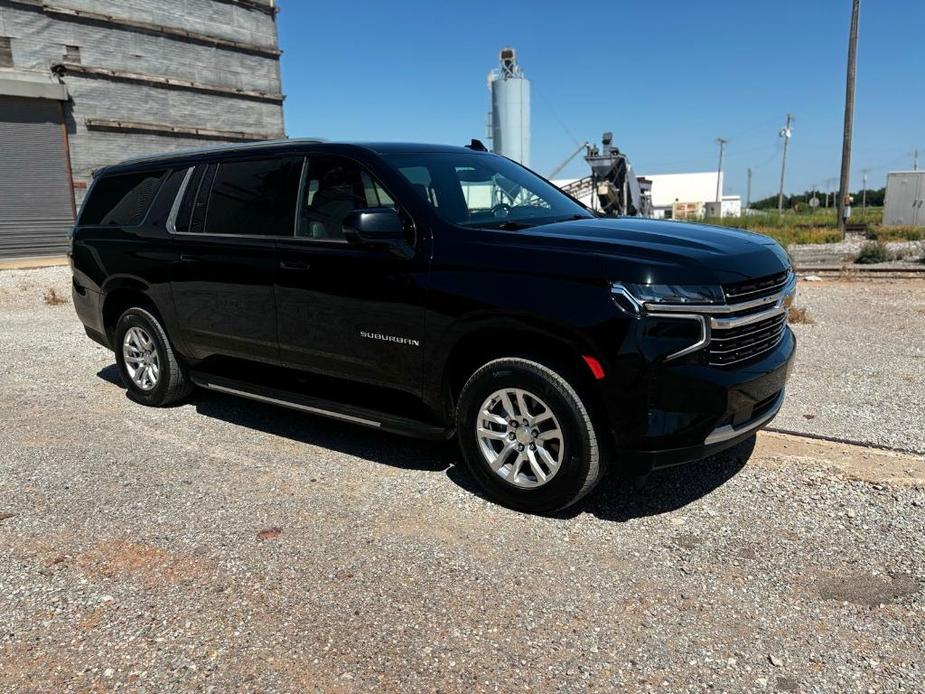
(35, 195)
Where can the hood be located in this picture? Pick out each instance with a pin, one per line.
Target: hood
(631, 249)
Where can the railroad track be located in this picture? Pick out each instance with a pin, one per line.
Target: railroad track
(868, 271)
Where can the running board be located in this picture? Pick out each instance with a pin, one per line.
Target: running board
(374, 419)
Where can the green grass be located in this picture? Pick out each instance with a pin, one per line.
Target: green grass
(896, 233)
(817, 226)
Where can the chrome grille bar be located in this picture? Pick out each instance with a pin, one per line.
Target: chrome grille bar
(763, 318)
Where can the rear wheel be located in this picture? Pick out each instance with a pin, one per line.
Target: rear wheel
(151, 370)
(527, 436)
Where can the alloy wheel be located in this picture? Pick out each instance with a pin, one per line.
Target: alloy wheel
(140, 355)
(520, 437)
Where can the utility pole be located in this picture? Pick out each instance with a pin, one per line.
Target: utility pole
(748, 191)
(915, 160)
(784, 133)
(719, 171)
(849, 115)
(829, 182)
(864, 173)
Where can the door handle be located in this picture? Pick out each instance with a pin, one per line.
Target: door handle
(186, 258)
(294, 265)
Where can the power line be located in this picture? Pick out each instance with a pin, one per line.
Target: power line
(554, 114)
(769, 159)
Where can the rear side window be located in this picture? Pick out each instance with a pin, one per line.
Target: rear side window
(254, 197)
(189, 198)
(121, 200)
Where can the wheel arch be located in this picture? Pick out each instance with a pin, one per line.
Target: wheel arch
(479, 343)
(121, 293)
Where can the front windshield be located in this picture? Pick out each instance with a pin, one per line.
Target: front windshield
(481, 190)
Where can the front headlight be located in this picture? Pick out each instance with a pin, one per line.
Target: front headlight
(668, 333)
(632, 296)
(677, 293)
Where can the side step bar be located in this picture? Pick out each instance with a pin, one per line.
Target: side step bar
(374, 419)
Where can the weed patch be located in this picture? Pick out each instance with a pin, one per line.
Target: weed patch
(873, 252)
(52, 298)
(799, 316)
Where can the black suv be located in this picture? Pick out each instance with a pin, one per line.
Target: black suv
(433, 291)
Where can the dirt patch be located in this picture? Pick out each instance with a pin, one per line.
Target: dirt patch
(269, 534)
(865, 589)
(123, 559)
(855, 462)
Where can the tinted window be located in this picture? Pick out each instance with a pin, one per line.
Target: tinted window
(333, 188)
(189, 197)
(483, 190)
(256, 197)
(121, 200)
(201, 205)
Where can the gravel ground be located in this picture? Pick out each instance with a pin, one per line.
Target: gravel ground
(860, 367)
(227, 545)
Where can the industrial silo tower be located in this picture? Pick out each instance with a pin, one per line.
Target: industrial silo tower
(510, 109)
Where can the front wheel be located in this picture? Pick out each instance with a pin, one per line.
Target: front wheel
(527, 436)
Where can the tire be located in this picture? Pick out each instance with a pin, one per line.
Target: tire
(163, 378)
(517, 483)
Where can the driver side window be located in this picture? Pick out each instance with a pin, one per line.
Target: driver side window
(333, 188)
(495, 195)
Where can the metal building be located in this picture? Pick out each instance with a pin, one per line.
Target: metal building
(510, 109)
(86, 83)
(904, 204)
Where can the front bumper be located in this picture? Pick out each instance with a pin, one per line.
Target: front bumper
(721, 438)
(690, 412)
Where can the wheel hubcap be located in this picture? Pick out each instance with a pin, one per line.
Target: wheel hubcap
(520, 437)
(140, 355)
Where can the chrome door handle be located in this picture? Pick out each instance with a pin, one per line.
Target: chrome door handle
(294, 265)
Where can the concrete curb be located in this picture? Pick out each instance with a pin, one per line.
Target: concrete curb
(33, 263)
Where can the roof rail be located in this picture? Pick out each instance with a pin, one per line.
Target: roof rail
(180, 153)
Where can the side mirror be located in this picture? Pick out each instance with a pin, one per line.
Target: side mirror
(379, 227)
(375, 225)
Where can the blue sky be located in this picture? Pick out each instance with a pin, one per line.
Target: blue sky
(667, 78)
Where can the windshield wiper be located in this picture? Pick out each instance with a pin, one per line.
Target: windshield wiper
(511, 226)
(573, 217)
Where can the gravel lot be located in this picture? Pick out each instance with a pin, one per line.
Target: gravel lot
(860, 367)
(228, 545)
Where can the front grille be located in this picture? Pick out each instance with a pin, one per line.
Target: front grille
(755, 289)
(751, 321)
(734, 345)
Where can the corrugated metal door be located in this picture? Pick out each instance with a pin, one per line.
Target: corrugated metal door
(35, 195)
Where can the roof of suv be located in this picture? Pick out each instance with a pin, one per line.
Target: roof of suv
(296, 144)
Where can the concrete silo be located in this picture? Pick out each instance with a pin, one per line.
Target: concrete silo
(510, 109)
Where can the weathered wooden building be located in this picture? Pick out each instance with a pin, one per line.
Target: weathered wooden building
(86, 83)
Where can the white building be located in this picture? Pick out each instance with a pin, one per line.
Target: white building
(681, 195)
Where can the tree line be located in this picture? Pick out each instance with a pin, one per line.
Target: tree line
(801, 200)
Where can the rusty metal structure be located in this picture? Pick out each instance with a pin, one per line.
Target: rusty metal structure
(86, 83)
